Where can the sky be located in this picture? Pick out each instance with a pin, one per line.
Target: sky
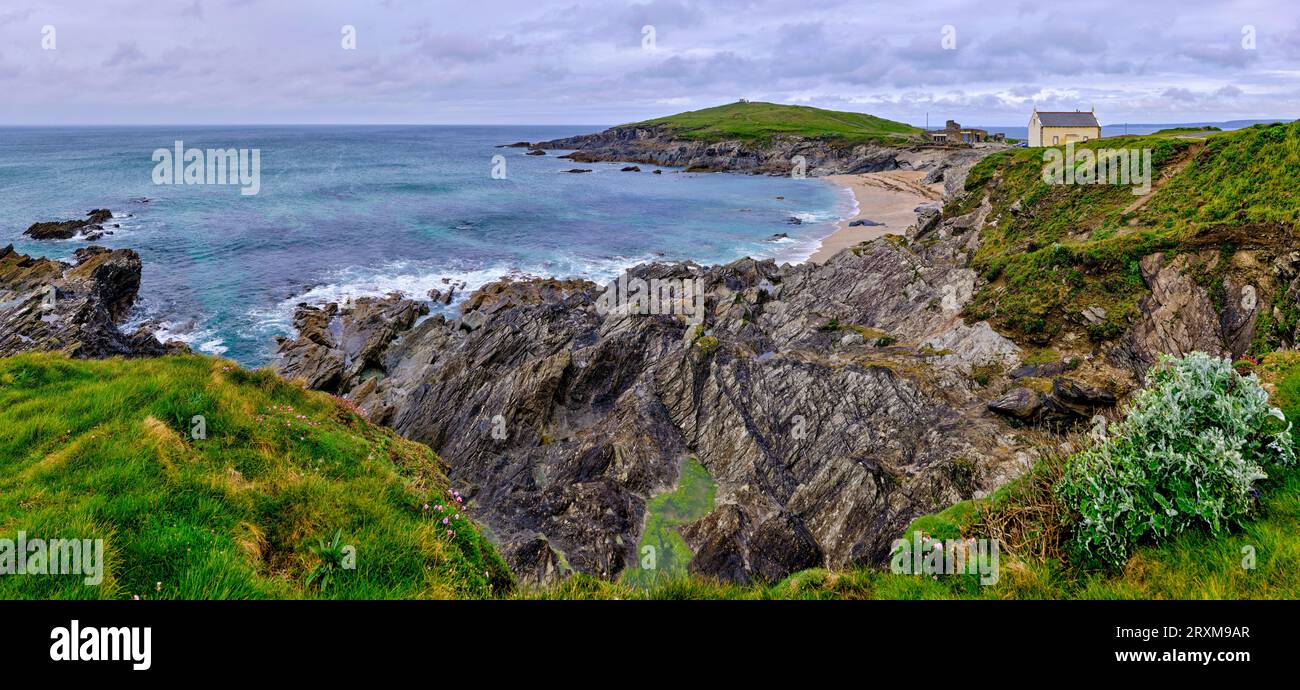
(612, 61)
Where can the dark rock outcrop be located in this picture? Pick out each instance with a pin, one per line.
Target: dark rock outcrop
(331, 354)
(91, 227)
(75, 309)
(1069, 402)
(561, 418)
(1215, 301)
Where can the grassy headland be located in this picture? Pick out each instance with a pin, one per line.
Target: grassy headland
(760, 122)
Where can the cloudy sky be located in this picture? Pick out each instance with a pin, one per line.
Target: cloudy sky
(595, 62)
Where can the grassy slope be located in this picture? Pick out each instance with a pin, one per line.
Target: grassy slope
(102, 449)
(762, 121)
(1074, 246)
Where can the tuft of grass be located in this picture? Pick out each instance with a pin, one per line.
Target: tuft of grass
(264, 503)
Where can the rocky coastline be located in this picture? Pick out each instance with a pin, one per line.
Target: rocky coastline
(660, 146)
(73, 308)
(831, 403)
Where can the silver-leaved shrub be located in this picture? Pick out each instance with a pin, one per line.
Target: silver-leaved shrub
(1187, 455)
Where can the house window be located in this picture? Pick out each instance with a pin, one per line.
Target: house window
(1056, 140)
(1085, 137)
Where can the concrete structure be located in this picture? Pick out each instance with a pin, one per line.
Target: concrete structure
(1056, 128)
(953, 133)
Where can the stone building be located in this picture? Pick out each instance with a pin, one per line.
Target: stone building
(953, 133)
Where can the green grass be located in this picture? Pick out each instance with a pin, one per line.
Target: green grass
(1058, 249)
(761, 122)
(105, 450)
(661, 544)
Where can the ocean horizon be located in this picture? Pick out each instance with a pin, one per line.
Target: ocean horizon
(345, 211)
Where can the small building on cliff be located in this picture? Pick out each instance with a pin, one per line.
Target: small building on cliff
(954, 133)
(1061, 127)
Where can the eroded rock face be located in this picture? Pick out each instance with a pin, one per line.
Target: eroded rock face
(331, 354)
(51, 306)
(815, 396)
(1214, 301)
(1068, 403)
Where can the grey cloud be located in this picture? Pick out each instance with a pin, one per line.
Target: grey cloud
(581, 61)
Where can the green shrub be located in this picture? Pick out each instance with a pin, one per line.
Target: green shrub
(1187, 456)
(707, 344)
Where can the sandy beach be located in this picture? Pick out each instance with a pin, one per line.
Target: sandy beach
(889, 198)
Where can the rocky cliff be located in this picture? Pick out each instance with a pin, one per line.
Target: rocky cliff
(73, 308)
(832, 404)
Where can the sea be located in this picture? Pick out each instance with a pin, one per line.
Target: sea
(348, 211)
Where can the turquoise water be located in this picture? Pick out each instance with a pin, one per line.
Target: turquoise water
(349, 211)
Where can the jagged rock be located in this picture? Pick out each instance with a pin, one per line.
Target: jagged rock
(75, 309)
(631, 168)
(927, 218)
(535, 152)
(1069, 402)
(1177, 317)
(561, 418)
(333, 355)
(472, 321)
(1079, 398)
(863, 222)
(1044, 370)
(1021, 403)
(1093, 314)
(91, 227)
(578, 170)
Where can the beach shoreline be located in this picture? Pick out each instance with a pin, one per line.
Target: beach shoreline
(888, 199)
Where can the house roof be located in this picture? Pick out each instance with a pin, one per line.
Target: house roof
(1067, 119)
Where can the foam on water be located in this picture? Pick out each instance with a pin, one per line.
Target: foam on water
(346, 212)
